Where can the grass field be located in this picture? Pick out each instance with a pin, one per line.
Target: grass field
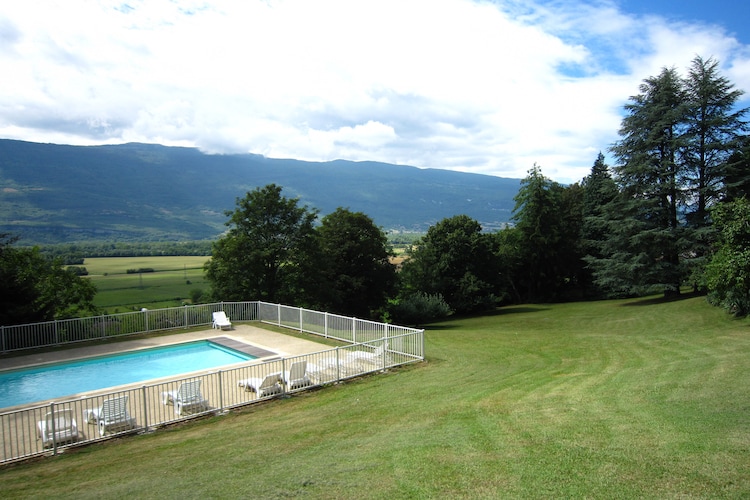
(168, 286)
(611, 399)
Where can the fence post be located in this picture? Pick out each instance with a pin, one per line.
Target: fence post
(338, 365)
(325, 324)
(278, 314)
(57, 337)
(284, 380)
(145, 408)
(221, 392)
(2, 333)
(385, 348)
(54, 430)
(300, 320)
(354, 330)
(186, 316)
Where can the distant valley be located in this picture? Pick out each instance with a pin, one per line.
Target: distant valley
(143, 192)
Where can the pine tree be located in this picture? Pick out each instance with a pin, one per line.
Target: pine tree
(599, 190)
(713, 134)
(649, 173)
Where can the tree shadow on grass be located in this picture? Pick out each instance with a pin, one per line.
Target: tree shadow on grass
(500, 311)
(661, 299)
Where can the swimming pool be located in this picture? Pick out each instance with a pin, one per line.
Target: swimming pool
(30, 385)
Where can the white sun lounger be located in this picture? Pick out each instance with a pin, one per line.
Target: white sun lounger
(187, 397)
(58, 427)
(373, 356)
(266, 386)
(111, 416)
(296, 377)
(221, 321)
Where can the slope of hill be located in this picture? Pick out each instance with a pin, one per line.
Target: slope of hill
(54, 193)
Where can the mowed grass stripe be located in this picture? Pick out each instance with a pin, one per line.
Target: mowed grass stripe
(615, 399)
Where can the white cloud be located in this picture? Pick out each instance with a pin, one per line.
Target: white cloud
(488, 87)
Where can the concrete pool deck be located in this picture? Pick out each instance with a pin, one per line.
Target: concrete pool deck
(279, 344)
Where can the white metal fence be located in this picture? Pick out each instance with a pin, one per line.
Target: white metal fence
(63, 423)
(58, 332)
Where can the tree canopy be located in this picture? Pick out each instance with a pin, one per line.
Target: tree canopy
(34, 288)
(357, 276)
(728, 273)
(266, 254)
(454, 260)
(676, 139)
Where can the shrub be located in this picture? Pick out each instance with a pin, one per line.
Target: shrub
(140, 270)
(419, 308)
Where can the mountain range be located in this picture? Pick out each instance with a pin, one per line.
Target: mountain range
(52, 193)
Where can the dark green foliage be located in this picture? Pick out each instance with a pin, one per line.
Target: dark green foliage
(678, 155)
(737, 172)
(197, 296)
(712, 134)
(419, 308)
(77, 270)
(74, 253)
(268, 252)
(140, 270)
(599, 190)
(728, 273)
(455, 260)
(34, 289)
(356, 276)
(548, 222)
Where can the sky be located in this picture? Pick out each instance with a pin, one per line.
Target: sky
(489, 87)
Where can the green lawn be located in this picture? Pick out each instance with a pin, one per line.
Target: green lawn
(615, 399)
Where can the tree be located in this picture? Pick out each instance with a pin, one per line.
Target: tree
(649, 174)
(454, 260)
(34, 288)
(268, 252)
(728, 273)
(357, 277)
(737, 177)
(548, 219)
(712, 135)
(599, 190)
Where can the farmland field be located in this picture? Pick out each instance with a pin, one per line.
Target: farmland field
(169, 284)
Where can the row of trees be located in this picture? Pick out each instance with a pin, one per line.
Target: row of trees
(654, 221)
(673, 211)
(274, 252)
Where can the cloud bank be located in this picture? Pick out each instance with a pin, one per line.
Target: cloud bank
(477, 86)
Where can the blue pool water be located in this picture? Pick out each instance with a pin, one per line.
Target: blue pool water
(30, 385)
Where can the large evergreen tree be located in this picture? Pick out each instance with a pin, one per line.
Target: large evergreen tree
(713, 131)
(679, 154)
(649, 174)
(548, 220)
(268, 253)
(599, 190)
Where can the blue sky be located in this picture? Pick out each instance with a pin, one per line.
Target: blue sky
(483, 86)
(732, 15)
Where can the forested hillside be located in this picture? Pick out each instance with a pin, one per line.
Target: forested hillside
(140, 192)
